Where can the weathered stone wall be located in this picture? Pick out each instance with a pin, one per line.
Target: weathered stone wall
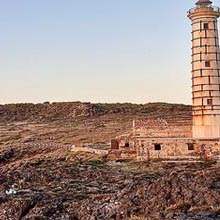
(124, 141)
(171, 148)
(159, 128)
(168, 132)
(122, 154)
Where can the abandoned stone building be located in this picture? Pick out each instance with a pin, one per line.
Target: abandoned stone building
(156, 138)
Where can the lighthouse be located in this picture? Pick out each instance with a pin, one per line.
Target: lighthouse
(205, 70)
(158, 139)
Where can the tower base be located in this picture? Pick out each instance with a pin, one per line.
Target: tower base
(206, 132)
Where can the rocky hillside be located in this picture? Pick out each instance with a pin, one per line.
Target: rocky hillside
(71, 111)
(79, 123)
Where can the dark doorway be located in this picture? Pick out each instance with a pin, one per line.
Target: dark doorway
(127, 144)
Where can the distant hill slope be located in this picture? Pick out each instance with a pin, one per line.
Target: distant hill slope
(70, 111)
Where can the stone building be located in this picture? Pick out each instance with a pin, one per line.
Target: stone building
(157, 139)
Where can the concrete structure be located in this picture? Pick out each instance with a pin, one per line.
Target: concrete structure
(205, 70)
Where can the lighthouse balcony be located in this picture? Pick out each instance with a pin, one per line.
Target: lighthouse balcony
(205, 8)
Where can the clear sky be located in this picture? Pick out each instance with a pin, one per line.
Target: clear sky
(95, 50)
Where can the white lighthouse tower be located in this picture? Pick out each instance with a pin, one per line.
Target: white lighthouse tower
(205, 70)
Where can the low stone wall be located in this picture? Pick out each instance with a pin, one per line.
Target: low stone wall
(89, 150)
(43, 144)
(122, 154)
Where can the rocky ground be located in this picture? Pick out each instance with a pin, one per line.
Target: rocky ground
(48, 182)
(57, 184)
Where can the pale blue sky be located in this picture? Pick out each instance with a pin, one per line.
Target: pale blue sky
(95, 50)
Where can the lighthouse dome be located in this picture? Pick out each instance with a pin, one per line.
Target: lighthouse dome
(203, 2)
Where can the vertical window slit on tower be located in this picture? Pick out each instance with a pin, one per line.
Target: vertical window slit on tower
(214, 25)
(209, 101)
(209, 80)
(206, 49)
(206, 26)
(200, 26)
(201, 72)
(200, 56)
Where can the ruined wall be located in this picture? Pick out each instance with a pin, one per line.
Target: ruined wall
(126, 141)
(150, 129)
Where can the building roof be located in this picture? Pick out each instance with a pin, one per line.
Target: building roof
(202, 2)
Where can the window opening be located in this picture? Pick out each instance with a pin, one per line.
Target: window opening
(206, 26)
(207, 64)
(190, 146)
(157, 147)
(209, 101)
